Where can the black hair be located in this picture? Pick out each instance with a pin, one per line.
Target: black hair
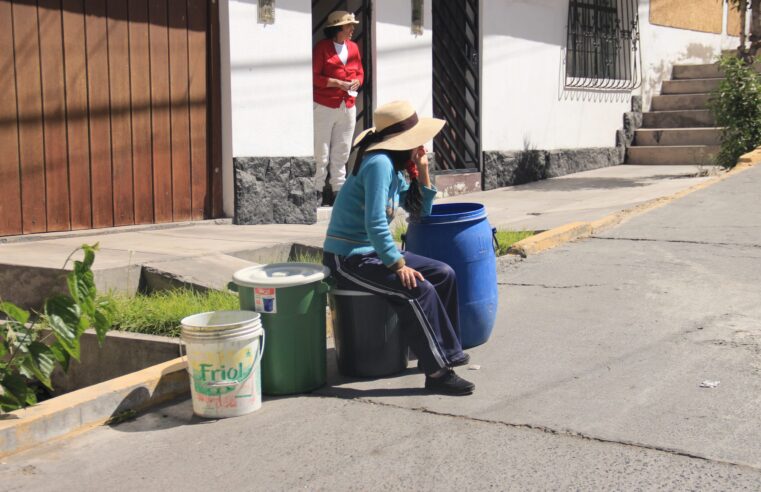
(331, 32)
(413, 203)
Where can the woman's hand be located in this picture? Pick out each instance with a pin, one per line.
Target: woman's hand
(354, 85)
(409, 277)
(420, 158)
(345, 85)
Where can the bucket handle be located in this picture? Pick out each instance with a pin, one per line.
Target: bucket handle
(494, 239)
(231, 382)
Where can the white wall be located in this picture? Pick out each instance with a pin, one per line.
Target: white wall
(662, 47)
(403, 62)
(271, 80)
(522, 89)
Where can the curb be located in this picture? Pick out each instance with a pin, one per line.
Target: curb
(557, 236)
(78, 411)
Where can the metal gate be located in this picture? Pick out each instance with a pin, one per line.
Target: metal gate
(456, 84)
(363, 36)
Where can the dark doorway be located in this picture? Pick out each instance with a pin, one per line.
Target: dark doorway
(456, 85)
(364, 37)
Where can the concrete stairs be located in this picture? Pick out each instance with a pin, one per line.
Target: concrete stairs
(679, 129)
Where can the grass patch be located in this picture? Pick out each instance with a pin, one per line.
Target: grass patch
(160, 313)
(506, 238)
(306, 257)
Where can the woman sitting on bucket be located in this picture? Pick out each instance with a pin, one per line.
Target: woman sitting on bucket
(361, 253)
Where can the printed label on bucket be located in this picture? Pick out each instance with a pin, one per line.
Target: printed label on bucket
(265, 300)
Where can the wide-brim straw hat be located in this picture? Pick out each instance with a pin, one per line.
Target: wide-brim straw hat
(400, 115)
(340, 18)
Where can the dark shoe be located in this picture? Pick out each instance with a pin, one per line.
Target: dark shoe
(449, 384)
(328, 197)
(461, 362)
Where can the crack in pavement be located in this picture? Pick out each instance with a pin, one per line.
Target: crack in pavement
(545, 286)
(556, 432)
(679, 241)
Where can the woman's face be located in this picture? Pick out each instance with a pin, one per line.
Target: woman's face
(347, 30)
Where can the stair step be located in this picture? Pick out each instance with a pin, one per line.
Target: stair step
(677, 136)
(674, 155)
(689, 86)
(704, 71)
(684, 118)
(679, 101)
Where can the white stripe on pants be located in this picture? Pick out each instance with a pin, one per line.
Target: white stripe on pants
(333, 131)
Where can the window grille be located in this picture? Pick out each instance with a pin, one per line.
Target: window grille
(602, 45)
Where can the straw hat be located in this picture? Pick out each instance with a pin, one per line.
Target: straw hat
(397, 127)
(339, 18)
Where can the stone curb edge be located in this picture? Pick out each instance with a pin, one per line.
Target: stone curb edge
(81, 410)
(557, 236)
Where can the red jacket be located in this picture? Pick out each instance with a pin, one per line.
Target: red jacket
(326, 64)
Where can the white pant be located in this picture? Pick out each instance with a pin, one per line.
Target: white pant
(333, 132)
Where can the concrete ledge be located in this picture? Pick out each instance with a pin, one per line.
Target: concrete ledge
(577, 230)
(89, 407)
(550, 239)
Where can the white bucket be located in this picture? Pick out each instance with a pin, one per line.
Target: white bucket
(224, 353)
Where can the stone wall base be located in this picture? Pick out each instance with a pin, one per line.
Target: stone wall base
(524, 166)
(275, 190)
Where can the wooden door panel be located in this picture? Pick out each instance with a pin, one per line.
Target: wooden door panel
(180, 118)
(100, 121)
(197, 21)
(140, 88)
(78, 148)
(54, 116)
(121, 126)
(10, 180)
(161, 145)
(31, 140)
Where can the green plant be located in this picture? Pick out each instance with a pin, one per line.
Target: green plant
(506, 238)
(531, 164)
(736, 105)
(24, 354)
(307, 257)
(160, 313)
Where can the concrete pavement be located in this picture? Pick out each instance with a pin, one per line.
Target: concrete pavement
(591, 380)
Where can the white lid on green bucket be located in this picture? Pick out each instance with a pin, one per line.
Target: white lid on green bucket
(280, 275)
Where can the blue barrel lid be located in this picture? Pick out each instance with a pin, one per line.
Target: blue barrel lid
(447, 213)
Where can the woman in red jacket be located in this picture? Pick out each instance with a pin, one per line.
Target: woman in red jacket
(337, 76)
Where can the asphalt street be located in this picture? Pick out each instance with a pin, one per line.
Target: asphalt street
(591, 380)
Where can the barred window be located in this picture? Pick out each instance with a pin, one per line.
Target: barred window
(601, 51)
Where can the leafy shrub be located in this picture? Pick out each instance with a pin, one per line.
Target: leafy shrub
(736, 105)
(24, 354)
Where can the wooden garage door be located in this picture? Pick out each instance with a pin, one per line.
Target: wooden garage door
(105, 114)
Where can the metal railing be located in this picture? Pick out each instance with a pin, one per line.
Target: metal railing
(602, 50)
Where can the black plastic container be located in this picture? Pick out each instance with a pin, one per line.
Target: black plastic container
(367, 335)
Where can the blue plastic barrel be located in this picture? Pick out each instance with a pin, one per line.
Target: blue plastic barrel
(459, 234)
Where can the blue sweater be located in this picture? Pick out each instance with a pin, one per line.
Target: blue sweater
(365, 207)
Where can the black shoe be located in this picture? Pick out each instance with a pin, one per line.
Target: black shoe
(461, 362)
(449, 384)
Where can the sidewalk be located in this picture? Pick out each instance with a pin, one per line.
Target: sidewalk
(207, 253)
(591, 380)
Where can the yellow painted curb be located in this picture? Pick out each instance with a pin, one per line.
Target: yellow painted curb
(92, 406)
(577, 230)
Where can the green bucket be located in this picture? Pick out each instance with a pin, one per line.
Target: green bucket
(291, 300)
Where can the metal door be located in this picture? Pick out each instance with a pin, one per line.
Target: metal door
(456, 84)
